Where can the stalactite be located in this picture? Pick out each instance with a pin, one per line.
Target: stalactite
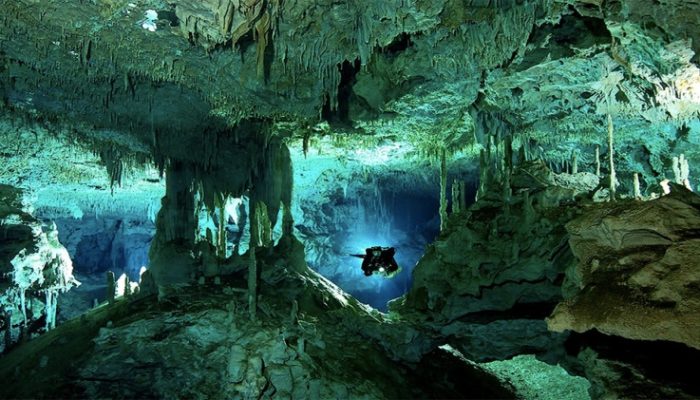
(112, 160)
(287, 220)
(611, 156)
(462, 195)
(443, 189)
(264, 227)
(23, 305)
(455, 197)
(262, 28)
(483, 173)
(508, 168)
(220, 201)
(681, 171)
(597, 161)
(50, 308)
(574, 164)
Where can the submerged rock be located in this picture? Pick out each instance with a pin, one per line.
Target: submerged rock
(637, 271)
(496, 271)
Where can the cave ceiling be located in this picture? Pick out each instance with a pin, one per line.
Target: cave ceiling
(438, 72)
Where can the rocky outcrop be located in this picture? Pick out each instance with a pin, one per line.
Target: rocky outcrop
(309, 340)
(496, 271)
(486, 260)
(637, 271)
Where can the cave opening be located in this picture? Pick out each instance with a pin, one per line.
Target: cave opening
(406, 220)
(384, 211)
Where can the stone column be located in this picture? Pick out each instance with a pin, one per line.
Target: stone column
(176, 227)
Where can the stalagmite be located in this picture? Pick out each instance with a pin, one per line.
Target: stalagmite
(111, 287)
(574, 164)
(252, 280)
(147, 286)
(443, 189)
(176, 228)
(294, 314)
(127, 286)
(637, 191)
(522, 155)
(528, 209)
(597, 161)
(256, 228)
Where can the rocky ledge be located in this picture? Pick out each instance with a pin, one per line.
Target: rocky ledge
(638, 272)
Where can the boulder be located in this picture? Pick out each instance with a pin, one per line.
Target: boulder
(637, 275)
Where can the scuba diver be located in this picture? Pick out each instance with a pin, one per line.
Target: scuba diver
(378, 259)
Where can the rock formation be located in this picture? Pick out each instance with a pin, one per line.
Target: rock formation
(34, 269)
(637, 271)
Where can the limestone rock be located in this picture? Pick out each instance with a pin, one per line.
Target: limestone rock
(487, 261)
(495, 273)
(200, 344)
(637, 270)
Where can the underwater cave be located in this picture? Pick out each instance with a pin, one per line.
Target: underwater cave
(349, 200)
